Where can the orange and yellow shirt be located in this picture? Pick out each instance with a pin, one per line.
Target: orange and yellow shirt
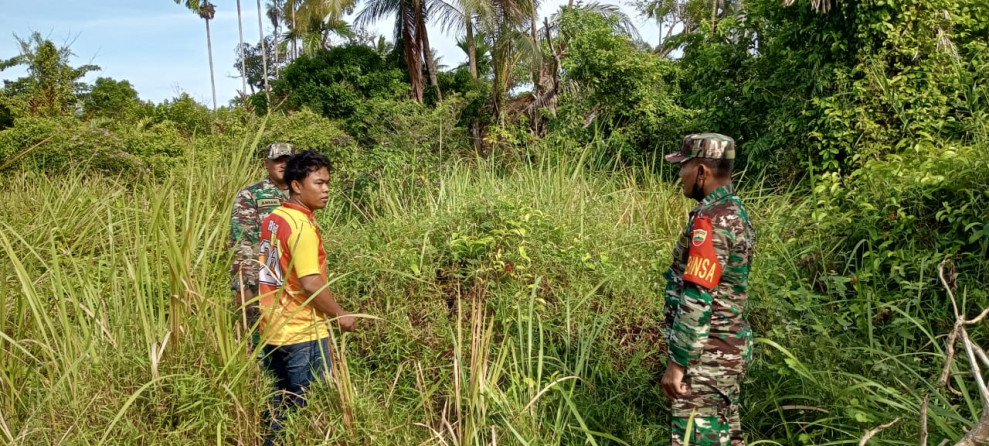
(291, 247)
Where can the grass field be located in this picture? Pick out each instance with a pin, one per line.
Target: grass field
(505, 306)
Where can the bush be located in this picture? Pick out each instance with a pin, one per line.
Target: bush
(308, 130)
(161, 146)
(627, 96)
(189, 117)
(337, 83)
(97, 145)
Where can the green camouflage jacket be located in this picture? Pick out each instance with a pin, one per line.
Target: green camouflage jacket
(252, 205)
(707, 285)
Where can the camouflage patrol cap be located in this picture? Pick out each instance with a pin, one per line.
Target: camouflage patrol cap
(277, 150)
(704, 145)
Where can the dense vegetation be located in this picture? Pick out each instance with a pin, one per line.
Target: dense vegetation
(506, 226)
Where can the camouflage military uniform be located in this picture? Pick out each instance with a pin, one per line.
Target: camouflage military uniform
(706, 291)
(252, 205)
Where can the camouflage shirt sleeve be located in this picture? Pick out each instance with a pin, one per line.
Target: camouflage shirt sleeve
(692, 319)
(244, 233)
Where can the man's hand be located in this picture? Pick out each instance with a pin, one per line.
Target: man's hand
(347, 322)
(673, 385)
(324, 301)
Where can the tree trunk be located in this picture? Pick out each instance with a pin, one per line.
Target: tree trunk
(295, 30)
(714, 15)
(243, 63)
(412, 48)
(498, 92)
(471, 48)
(264, 50)
(428, 55)
(209, 48)
(274, 36)
(537, 69)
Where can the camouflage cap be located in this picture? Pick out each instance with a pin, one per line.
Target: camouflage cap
(277, 150)
(704, 145)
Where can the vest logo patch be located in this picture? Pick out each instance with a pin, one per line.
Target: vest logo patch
(700, 235)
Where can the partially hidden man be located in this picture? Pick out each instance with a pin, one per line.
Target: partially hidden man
(295, 304)
(709, 338)
(253, 204)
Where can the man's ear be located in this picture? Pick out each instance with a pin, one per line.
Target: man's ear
(292, 185)
(702, 170)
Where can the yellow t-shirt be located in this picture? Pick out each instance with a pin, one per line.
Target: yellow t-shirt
(291, 247)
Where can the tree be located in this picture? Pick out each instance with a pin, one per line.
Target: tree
(677, 19)
(52, 86)
(627, 94)
(111, 99)
(459, 17)
(510, 45)
(206, 11)
(256, 61)
(240, 30)
(318, 20)
(338, 82)
(482, 56)
(410, 33)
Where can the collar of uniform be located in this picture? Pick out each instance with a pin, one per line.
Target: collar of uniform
(271, 184)
(299, 208)
(715, 196)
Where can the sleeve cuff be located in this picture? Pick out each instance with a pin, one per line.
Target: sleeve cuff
(680, 358)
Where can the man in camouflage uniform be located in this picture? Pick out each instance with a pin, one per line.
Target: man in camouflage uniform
(710, 341)
(253, 204)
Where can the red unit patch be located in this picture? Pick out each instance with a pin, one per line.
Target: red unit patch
(703, 267)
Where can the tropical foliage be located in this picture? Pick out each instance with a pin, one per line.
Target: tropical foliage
(506, 222)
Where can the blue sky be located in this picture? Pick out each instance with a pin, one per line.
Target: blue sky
(160, 47)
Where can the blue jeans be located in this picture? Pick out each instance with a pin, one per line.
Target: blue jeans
(294, 367)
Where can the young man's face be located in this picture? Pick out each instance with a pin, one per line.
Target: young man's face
(314, 190)
(276, 168)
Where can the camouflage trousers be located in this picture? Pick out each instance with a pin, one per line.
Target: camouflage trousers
(710, 405)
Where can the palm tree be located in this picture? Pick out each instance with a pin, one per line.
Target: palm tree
(459, 17)
(410, 30)
(427, 54)
(206, 11)
(482, 51)
(264, 52)
(243, 66)
(319, 19)
(510, 44)
(274, 12)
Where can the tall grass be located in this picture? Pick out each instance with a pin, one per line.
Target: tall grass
(513, 306)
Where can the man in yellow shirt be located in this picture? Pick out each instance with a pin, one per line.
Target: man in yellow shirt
(294, 300)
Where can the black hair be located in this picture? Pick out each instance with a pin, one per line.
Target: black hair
(721, 168)
(300, 165)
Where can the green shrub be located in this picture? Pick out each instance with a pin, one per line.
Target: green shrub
(619, 93)
(97, 145)
(337, 82)
(189, 116)
(161, 146)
